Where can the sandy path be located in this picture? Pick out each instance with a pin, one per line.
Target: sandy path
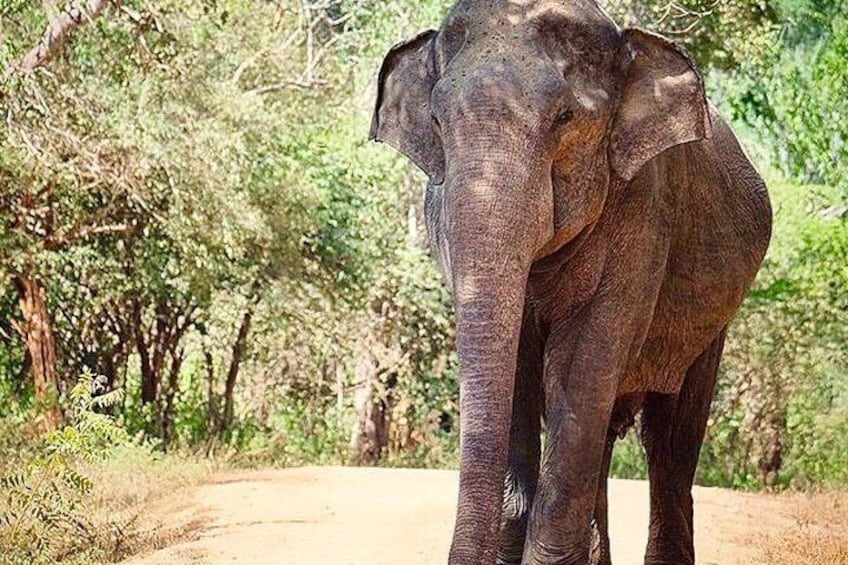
(353, 516)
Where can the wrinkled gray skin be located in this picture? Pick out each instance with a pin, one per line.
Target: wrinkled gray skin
(599, 225)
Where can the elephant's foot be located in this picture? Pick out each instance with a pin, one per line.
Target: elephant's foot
(670, 552)
(512, 543)
(667, 561)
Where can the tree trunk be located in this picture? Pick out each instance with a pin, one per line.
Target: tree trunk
(167, 415)
(76, 14)
(23, 374)
(212, 421)
(235, 362)
(156, 343)
(374, 401)
(149, 378)
(37, 332)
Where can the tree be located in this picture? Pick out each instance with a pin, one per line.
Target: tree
(720, 34)
(32, 215)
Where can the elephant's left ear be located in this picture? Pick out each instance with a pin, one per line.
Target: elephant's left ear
(663, 103)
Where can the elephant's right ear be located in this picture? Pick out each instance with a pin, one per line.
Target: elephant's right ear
(402, 116)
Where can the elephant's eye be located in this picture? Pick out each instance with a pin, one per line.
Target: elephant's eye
(564, 116)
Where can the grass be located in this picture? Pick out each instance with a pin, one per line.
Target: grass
(132, 489)
(119, 514)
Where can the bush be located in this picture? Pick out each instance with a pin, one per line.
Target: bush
(793, 96)
(44, 512)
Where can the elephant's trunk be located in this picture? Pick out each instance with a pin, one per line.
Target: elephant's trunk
(492, 230)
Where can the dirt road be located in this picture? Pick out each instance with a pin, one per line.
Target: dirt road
(359, 516)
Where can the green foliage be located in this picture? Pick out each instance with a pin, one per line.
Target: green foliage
(793, 95)
(720, 35)
(44, 514)
(629, 461)
(300, 435)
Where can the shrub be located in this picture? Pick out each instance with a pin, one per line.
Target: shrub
(44, 516)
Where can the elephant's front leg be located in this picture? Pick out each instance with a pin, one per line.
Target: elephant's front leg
(524, 446)
(581, 377)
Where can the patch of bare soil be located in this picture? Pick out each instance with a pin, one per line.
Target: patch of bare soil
(818, 534)
(352, 516)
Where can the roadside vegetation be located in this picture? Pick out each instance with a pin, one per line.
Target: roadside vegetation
(76, 494)
(192, 218)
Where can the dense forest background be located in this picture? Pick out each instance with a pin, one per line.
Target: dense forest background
(191, 214)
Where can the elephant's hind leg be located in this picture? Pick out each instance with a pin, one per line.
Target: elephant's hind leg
(672, 431)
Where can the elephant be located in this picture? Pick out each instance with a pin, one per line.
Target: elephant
(598, 226)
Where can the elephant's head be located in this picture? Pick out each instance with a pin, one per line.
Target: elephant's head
(523, 114)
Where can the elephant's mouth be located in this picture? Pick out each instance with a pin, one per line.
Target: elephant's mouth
(554, 255)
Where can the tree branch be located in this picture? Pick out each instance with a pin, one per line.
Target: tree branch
(284, 85)
(76, 14)
(82, 234)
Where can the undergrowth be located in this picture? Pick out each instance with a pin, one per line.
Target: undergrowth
(76, 498)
